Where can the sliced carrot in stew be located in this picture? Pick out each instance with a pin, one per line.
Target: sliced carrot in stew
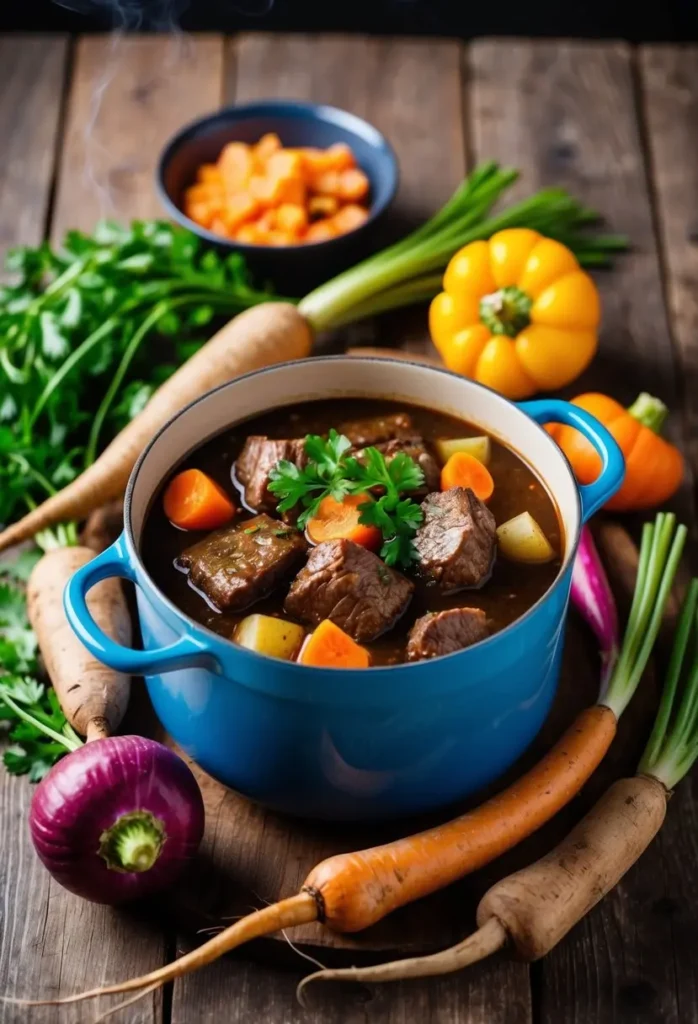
(463, 470)
(339, 520)
(330, 647)
(193, 501)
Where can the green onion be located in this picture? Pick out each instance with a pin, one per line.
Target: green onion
(410, 271)
(660, 552)
(673, 745)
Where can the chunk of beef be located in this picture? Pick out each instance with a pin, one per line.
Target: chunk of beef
(344, 582)
(456, 542)
(238, 565)
(417, 450)
(256, 461)
(444, 632)
(379, 428)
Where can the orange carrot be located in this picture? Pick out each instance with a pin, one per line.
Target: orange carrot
(267, 145)
(210, 174)
(265, 194)
(463, 470)
(353, 185)
(236, 165)
(349, 217)
(320, 231)
(327, 183)
(330, 647)
(237, 210)
(193, 501)
(336, 520)
(200, 212)
(292, 218)
(337, 157)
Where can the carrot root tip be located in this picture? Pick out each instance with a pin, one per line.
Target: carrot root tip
(488, 939)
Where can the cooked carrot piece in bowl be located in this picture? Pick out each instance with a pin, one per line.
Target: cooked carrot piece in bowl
(313, 194)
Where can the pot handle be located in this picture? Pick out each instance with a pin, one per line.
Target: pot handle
(554, 410)
(184, 653)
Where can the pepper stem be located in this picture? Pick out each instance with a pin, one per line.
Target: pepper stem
(506, 311)
(649, 411)
(133, 843)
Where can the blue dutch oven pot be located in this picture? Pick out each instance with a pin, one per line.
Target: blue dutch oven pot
(340, 743)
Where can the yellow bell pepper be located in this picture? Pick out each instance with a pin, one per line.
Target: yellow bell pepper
(517, 313)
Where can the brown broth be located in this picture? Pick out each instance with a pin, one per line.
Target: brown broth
(511, 590)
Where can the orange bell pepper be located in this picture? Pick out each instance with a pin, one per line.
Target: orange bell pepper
(653, 466)
(517, 313)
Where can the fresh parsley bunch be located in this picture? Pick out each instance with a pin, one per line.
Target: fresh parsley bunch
(22, 696)
(87, 332)
(332, 471)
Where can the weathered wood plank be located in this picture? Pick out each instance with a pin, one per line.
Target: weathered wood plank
(128, 96)
(669, 88)
(32, 72)
(241, 992)
(125, 99)
(565, 114)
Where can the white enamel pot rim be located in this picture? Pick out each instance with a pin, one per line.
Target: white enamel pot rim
(324, 377)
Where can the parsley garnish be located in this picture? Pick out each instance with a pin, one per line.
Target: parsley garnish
(331, 471)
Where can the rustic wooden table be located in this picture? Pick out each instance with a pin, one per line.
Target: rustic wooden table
(81, 123)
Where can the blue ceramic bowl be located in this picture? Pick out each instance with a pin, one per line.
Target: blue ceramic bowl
(292, 269)
(339, 743)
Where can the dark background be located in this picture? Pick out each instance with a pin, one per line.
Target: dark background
(644, 20)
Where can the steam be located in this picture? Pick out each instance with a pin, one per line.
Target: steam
(155, 15)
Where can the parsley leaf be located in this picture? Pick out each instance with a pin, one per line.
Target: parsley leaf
(331, 472)
(37, 727)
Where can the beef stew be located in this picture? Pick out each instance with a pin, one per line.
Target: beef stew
(452, 589)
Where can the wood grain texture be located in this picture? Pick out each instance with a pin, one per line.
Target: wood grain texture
(129, 94)
(32, 73)
(239, 992)
(410, 90)
(669, 91)
(565, 114)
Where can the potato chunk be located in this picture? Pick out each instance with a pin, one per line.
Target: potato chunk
(521, 540)
(478, 447)
(268, 635)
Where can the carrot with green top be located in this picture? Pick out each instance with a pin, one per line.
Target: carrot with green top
(351, 891)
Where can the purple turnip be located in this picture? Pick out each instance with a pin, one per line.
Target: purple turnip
(117, 819)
